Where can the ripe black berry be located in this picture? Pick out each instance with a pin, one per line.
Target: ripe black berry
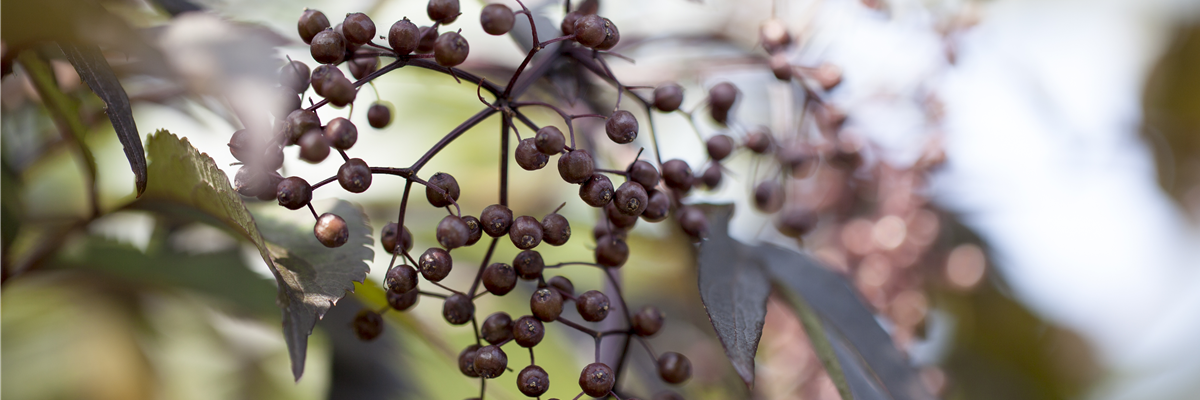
(568, 23)
(768, 196)
(722, 95)
(796, 221)
(294, 75)
(428, 38)
(300, 122)
(403, 301)
(435, 264)
(243, 144)
(798, 159)
(611, 36)
(677, 175)
(657, 207)
(293, 192)
(354, 175)
(450, 49)
(401, 278)
(719, 147)
(611, 251)
(529, 264)
(499, 278)
(562, 284)
(621, 127)
(443, 11)
(286, 101)
(497, 328)
(496, 19)
(363, 63)
(549, 140)
(404, 36)
(592, 306)
(341, 133)
(358, 28)
(711, 177)
(379, 115)
(674, 367)
(668, 97)
(693, 222)
(576, 166)
(311, 23)
(458, 309)
(528, 156)
(631, 198)
(475, 227)
(273, 179)
(323, 76)
(328, 47)
(496, 220)
(533, 381)
(340, 91)
(490, 361)
(452, 232)
(391, 239)
(527, 331)
(466, 361)
(526, 232)
(596, 380)
(589, 30)
(368, 325)
(759, 140)
(644, 174)
(555, 229)
(449, 190)
(546, 304)
(331, 230)
(619, 219)
(648, 321)
(597, 191)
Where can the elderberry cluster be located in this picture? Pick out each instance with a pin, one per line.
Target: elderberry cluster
(645, 193)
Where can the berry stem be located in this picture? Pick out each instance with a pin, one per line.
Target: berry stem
(314, 211)
(431, 294)
(567, 118)
(578, 327)
(454, 134)
(612, 171)
(479, 275)
(505, 124)
(556, 40)
(646, 345)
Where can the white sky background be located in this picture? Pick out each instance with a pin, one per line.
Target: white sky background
(1044, 157)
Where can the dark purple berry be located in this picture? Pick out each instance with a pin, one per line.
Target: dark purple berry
(499, 278)
(354, 175)
(429, 36)
(611, 36)
(611, 251)
(475, 227)
(527, 331)
(490, 361)
(452, 232)
(363, 63)
(391, 239)
(555, 229)
(644, 174)
(592, 306)
(596, 380)
(528, 156)
(677, 175)
(496, 220)
(293, 193)
(597, 191)
(294, 75)
(358, 28)
(630, 198)
(759, 140)
(563, 285)
(401, 278)
(546, 304)
(442, 190)
(404, 36)
(324, 75)
(674, 367)
(533, 381)
(403, 301)
(549, 140)
(496, 19)
(722, 95)
(648, 321)
(466, 361)
(768, 196)
(341, 133)
(796, 221)
(619, 219)
(568, 23)
(450, 49)
(497, 328)
(576, 166)
(379, 115)
(443, 11)
(711, 177)
(331, 230)
(668, 97)
(435, 264)
(589, 30)
(658, 206)
(328, 47)
(621, 127)
(693, 222)
(529, 264)
(526, 232)
(368, 325)
(311, 23)
(458, 309)
(340, 91)
(719, 147)
(300, 122)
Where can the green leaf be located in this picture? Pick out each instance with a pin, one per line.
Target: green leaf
(311, 277)
(94, 69)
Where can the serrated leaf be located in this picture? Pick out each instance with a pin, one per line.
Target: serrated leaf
(734, 291)
(93, 68)
(312, 277)
(871, 366)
